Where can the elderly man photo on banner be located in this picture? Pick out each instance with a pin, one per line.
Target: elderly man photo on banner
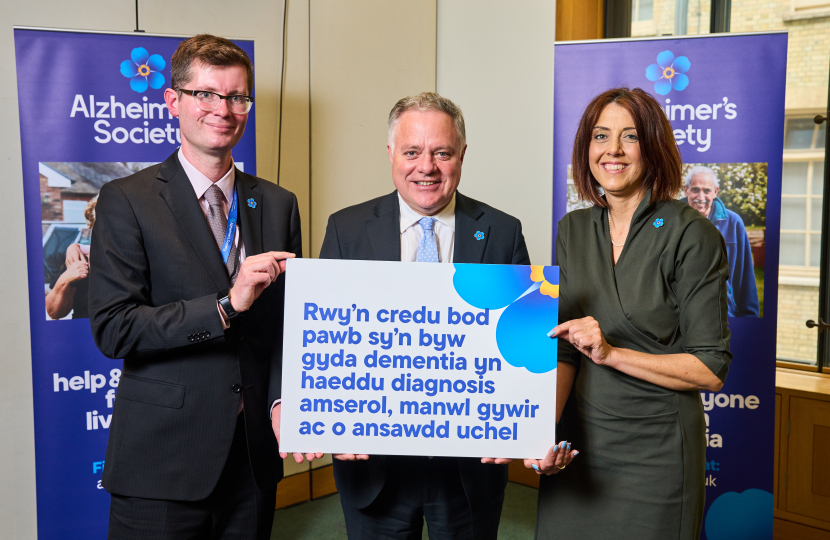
(424, 220)
(701, 187)
(186, 286)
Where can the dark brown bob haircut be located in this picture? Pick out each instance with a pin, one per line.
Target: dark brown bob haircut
(209, 50)
(658, 149)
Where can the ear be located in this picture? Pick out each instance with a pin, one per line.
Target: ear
(171, 98)
(716, 191)
(389, 151)
(461, 157)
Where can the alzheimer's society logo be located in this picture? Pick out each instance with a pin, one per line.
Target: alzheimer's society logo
(143, 70)
(669, 73)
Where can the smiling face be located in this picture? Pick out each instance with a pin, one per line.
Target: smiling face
(701, 193)
(614, 154)
(426, 157)
(213, 133)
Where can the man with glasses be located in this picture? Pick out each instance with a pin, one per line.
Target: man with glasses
(187, 287)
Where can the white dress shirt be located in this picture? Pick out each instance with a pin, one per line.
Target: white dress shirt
(412, 232)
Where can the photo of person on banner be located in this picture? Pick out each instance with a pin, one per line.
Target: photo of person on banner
(69, 195)
(68, 293)
(701, 189)
(733, 197)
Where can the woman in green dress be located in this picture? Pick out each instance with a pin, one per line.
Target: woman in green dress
(643, 329)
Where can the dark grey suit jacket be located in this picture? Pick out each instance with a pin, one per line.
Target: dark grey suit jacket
(371, 231)
(155, 270)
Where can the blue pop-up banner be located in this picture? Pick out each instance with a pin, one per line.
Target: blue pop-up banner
(91, 110)
(724, 96)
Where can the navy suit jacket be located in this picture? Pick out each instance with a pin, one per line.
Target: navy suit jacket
(155, 271)
(371, 231)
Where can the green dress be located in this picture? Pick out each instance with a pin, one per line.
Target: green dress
(640, 470)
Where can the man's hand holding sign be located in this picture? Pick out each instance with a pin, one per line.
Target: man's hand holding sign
(255, 274)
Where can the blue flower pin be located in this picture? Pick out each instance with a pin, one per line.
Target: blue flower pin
(252, 202)
(658, 223)
(479, 235)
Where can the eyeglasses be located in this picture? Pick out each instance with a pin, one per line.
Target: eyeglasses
(209, 101)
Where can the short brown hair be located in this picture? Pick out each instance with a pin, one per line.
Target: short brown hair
(658, 149)
(428, 101)
(209, 50)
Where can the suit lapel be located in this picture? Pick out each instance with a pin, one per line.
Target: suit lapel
(468, 248)
(250, 213)
(384, 230)
(177, 192)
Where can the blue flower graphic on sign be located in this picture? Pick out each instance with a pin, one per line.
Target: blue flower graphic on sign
(531, 298)
(143, 70)
(669, 73)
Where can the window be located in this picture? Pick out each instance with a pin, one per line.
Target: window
(669, 17)
(801, 198)
(642, 10)
(803, 171)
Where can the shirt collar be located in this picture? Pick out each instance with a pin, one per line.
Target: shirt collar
(410, 217)
(201, 183)
(718, 211)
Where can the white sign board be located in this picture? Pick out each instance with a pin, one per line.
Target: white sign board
(419, 359)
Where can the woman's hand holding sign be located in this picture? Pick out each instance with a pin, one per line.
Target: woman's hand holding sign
(558, 457)
(586, 336)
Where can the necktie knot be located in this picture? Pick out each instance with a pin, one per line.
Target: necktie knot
(427, 223)
(214, 196)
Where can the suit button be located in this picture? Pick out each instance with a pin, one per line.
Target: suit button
(236, 388)
(207, 335)
(191, 338)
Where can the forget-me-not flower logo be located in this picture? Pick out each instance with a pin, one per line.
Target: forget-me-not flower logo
(479, 235)
(658, 223)
(530, 298)
(669, 73)
(143, 70)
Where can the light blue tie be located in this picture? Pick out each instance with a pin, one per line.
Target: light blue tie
(428, 248)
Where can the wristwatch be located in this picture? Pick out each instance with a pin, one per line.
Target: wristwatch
(225, 303)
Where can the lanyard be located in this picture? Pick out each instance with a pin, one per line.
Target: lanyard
(230, 232)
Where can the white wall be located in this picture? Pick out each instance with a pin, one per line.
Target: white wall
(495, 61)
(365, 56)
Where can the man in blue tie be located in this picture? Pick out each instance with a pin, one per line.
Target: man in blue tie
(424, 220)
